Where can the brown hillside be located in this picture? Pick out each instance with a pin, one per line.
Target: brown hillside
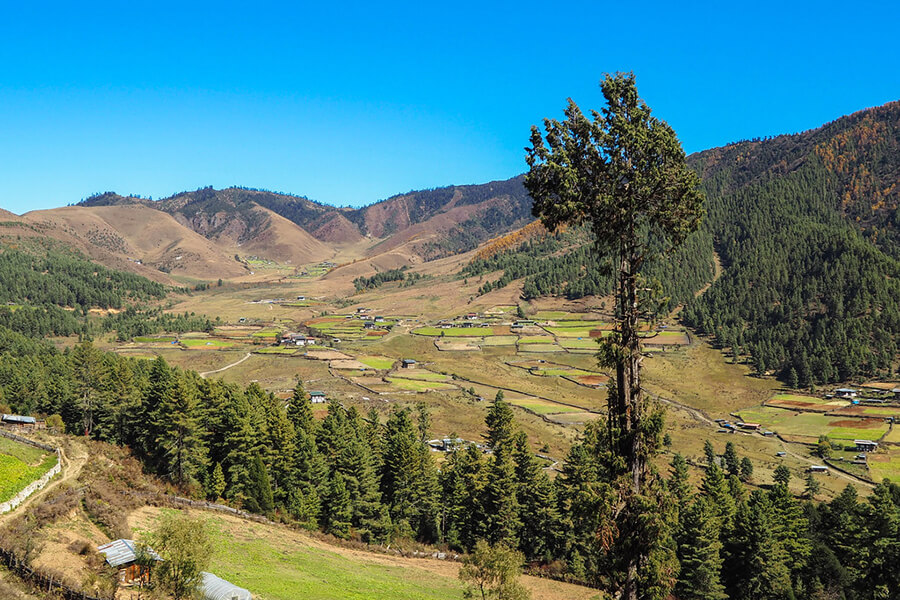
(283, 241)
(136, 232)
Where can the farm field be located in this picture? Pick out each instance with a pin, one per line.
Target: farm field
(542, 407)
(20, 464)
(455, 331)
(808, 403)
(381, 363)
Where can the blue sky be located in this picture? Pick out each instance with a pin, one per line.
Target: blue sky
(353, 102)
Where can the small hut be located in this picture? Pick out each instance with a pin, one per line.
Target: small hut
(125, 557)
(216, 588)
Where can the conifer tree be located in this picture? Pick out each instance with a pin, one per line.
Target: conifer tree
(709, 453)
(732, 463)
(336, 508)
(258, 489)
(699, 554)
(215, 483)
(624, 175)
(181, 452)
(678, 481)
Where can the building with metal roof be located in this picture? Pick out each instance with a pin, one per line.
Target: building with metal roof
(216, 588)
(123, 552)
(18, 419)
(122, 555)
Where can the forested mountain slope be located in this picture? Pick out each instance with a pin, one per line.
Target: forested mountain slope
(805, 227)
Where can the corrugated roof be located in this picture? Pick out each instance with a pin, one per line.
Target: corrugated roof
(216, 588)
(19, 419)
(122, 552)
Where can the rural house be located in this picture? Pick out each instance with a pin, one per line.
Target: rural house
(865, 445)
(408, 363)
(317, 397)
(845, 393)
(297, 339)
(19, 421)
(124, 556)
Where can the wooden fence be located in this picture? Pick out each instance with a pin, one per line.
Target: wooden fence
(41, 581)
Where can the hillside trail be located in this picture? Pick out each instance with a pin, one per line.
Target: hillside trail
(226, 367)
(71, 469)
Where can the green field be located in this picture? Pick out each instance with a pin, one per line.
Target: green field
(277, 350)
(543, 407)
(419, 386)
(21, 464)
(265, 333)
(579, 344)
(381, 363)
(883, 466)
(571, 332)
(153, 340)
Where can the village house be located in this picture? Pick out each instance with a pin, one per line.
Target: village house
(125, 557)
(317, 397)
(297, 339)
(408, 363)
(21, 422)
(865, 445)
(845, 393)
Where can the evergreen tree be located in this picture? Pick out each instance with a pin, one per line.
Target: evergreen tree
(699, 554)
(215, 483)
(709, 453)
(624, 174)
(732, 463)
(678, 481)
(258, 490)
(181, 452)
(336, 508)
(746, 469)
(782, 475)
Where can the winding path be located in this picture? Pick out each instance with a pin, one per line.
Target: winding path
(234, 364)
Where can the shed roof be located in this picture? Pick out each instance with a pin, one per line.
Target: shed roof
(19, 419)
(317, 393)
(865, 443)
(216, 588)
(123, 552)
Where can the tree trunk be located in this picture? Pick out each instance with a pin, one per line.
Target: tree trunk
(630, 397)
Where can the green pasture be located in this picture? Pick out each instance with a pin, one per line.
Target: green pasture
(418, 386)
(542, 407)
(579, 344)
(154, 340)
(277, 350)
(20, 465)
(382, 363)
